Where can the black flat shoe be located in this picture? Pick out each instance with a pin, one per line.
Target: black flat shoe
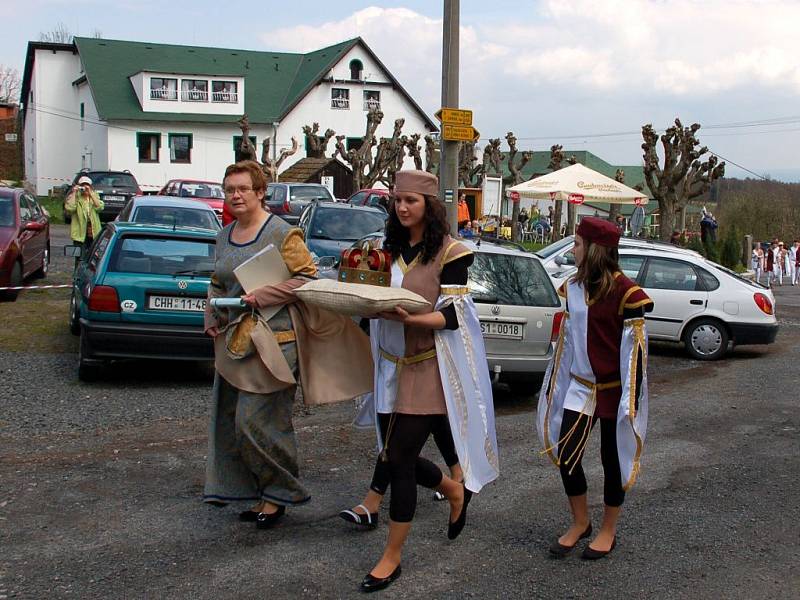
(560, 550)
(267, 520)
(368, 520)
(454, 529)
(248, 516)
(373, 584)
(591, 554)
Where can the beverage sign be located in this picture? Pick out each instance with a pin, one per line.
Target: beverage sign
(575, 199)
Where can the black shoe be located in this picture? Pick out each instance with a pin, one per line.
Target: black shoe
(249, 516)
(560, 550)
(454, 529)
(590, 553)
(373, 584)
(368, 520)
(267, 520)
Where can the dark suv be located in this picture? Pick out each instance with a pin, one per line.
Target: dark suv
(115, 189)
(288, 200)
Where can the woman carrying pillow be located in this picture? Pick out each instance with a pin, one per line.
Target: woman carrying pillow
(428, 366)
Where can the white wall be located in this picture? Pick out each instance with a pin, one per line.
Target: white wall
(212, 150)
(93, 134)
(371, 72)
(52, 125)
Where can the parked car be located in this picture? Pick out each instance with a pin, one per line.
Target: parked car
(164, 210)
(24, 239)
(519, 310)
(375, 198)
(114, 187)
(700, 303)
(288, 200)
(209, 192)
(331, 227)
(140, 292)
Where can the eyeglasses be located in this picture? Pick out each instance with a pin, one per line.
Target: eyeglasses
(242, 189)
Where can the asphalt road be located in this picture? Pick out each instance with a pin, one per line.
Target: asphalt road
(100, 487)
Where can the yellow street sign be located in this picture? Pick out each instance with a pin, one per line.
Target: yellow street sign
(454, 116)
(457, 133)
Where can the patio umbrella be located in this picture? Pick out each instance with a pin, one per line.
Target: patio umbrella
(578, 184)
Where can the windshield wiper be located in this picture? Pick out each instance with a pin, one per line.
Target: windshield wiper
(193, 272)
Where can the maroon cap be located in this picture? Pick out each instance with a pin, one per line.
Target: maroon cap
(598, 231)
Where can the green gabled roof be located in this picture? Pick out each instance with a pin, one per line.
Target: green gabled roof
(274, 81)
(538, 165)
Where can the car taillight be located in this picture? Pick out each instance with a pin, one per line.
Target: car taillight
(557, 319)
(104, 299)
(286, 206)
(763, 303)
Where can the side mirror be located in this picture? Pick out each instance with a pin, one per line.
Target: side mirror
(33, 226)
(560, 261)
(73, 250)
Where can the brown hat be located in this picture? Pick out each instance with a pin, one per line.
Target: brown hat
(598, 231)
(420, 182)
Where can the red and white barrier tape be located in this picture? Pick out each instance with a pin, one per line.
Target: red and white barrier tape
(36, 287)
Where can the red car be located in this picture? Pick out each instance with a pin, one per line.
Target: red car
(209, 192)
(24, 239)
(375, 198)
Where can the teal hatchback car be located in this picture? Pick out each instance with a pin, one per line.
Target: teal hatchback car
(140, 292)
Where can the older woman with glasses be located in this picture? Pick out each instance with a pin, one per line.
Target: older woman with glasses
(261, 345)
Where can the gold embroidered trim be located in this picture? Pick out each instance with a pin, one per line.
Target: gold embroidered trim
(284, 337)
(596, 386)
(405, 268)
(639, 344)
(627, 295)
(450, 290)
(456, 257)
(551, 384)
(402, 361)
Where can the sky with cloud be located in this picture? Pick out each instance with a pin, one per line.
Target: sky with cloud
(583, 73)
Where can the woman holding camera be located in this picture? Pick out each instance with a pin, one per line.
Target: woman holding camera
(83, 205)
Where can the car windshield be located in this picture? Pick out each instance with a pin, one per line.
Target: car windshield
(201, 190)
(344, 224)
(510, 279)
(112, 180)
(303, 192)
(162, 256)
(6, 211)
(553, 248)
(173, 215)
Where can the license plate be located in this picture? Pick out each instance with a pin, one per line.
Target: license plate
(176, 303)
(113, 198)
(499, 329)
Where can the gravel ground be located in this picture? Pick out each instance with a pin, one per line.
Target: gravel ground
(101, 483)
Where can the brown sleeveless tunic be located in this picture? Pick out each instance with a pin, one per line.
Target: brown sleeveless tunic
(419, 385)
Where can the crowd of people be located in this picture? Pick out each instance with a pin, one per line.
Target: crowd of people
(775, 261)
(428, 375)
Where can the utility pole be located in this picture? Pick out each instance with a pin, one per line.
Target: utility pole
(448, 164)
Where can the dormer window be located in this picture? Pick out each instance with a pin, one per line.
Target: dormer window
(194, 90)
(224, 91)
(163, 89)
(356, 69)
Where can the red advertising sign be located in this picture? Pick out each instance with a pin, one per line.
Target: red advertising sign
(575, 199)
(514, 197)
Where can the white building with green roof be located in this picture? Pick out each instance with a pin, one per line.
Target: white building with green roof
(168, 112)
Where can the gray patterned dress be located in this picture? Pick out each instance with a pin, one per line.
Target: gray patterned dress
(252, 450)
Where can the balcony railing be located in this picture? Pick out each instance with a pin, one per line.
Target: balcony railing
(163, 94)
(231, 97)
(372, 104)
(341, 103)
(194, 95)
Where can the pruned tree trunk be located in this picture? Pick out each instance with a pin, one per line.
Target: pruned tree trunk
(515, 169)
(572, 209)
(613, 208)
(556, 158)
(269, 166)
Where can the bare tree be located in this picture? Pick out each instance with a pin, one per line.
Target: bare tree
(492, 159)
(516, 177)
(317, 145)
(10, 85)
(414, 150)
(470, 172)
(683, 176)
(60, 34)
(247, 151)
(613, 208)
(431, 155)
(269, 166)
(556, 160)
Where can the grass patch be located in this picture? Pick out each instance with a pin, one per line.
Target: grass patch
(533, 246)
(55, 206)
(37, 322)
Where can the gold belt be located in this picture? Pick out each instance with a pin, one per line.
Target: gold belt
(284, 337)
(402, 361)
(596, 386)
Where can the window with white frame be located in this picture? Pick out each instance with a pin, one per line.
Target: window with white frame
(340, 98)
(224, 91)
(372, 100)
(194, 90)
(163, 89)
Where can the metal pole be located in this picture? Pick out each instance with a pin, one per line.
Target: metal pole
(448, 169)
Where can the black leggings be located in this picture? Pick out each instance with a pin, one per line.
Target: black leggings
(441, 435)
(571, 454)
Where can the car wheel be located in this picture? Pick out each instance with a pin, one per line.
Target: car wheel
(706, 339)
(88, 370)
(41, 272)
(74, 320)
(13, 281)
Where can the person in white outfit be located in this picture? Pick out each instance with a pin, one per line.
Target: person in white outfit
(757, 261)
(793, 261)
(778, 262)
